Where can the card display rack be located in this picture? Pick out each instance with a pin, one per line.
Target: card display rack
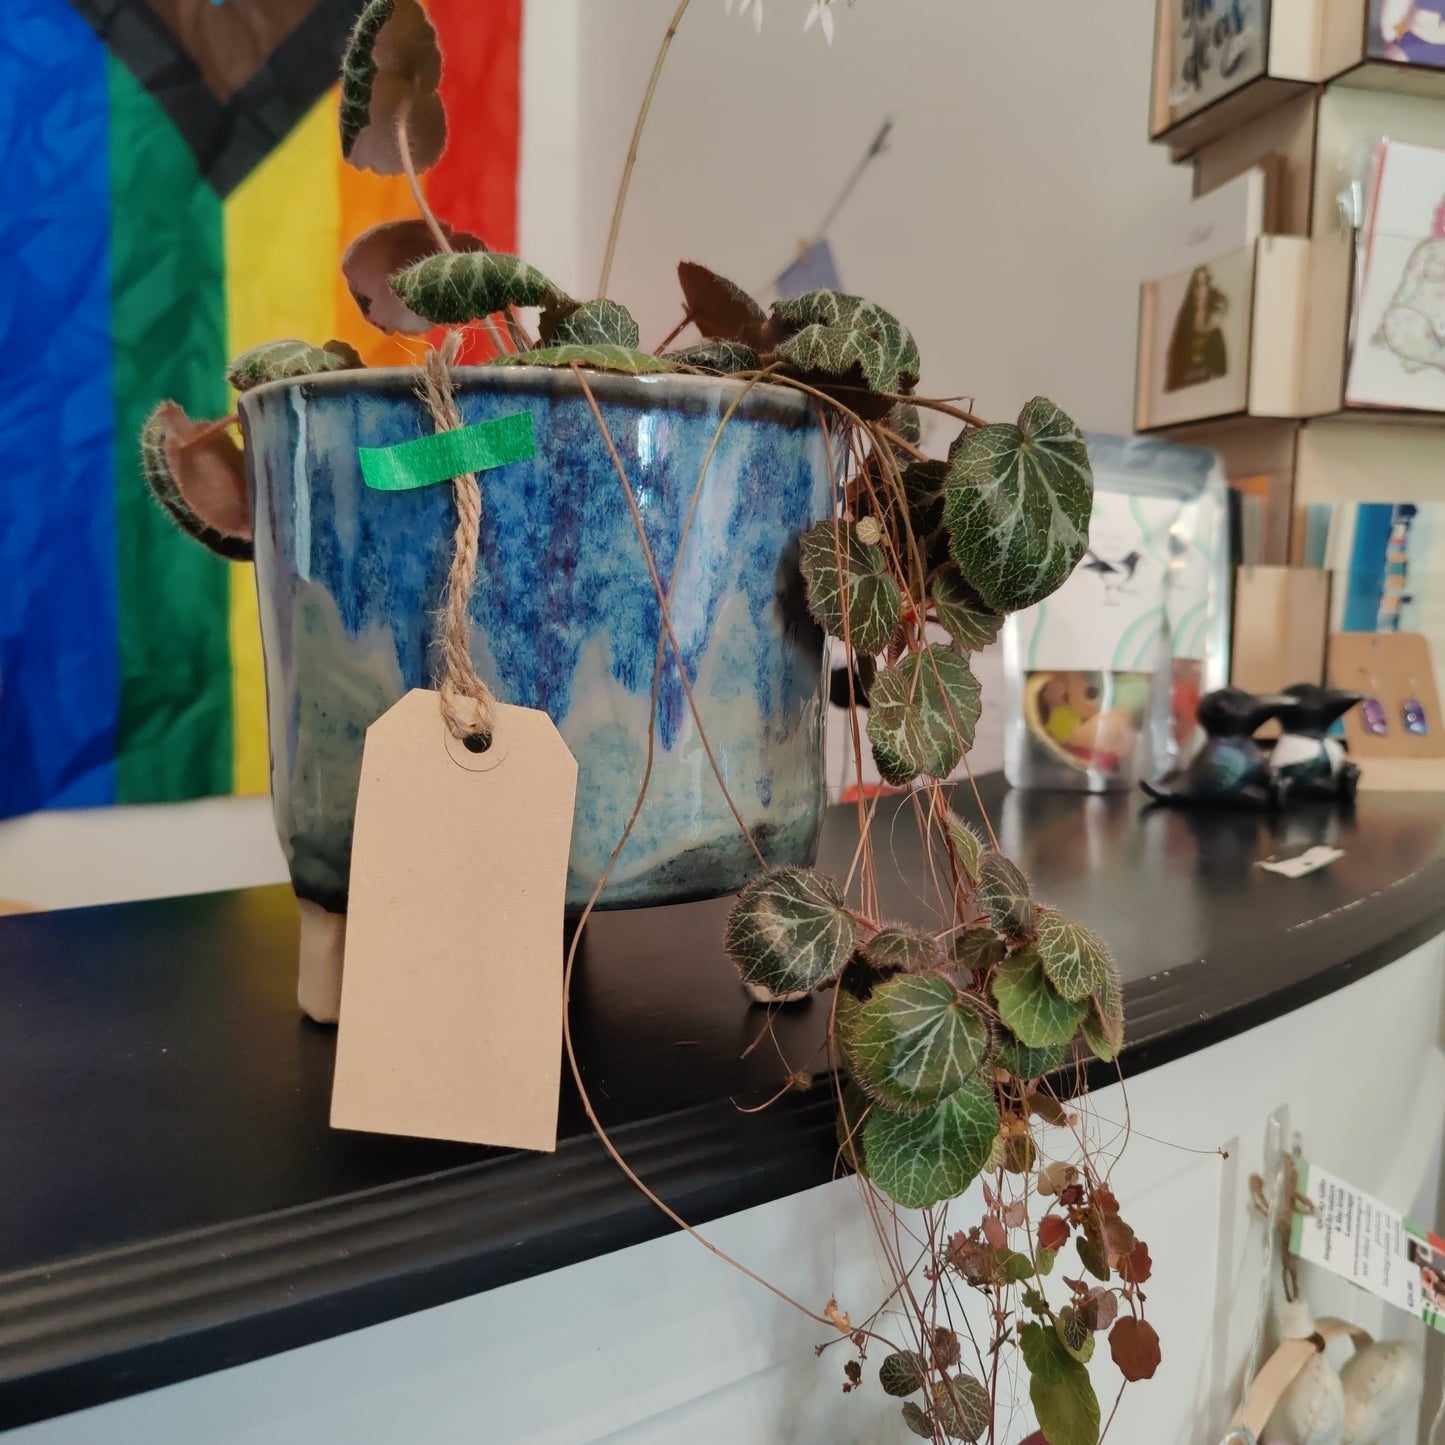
(1267, 388)
(1293, 47)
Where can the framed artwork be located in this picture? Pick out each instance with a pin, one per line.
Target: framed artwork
(1196, 328)
(1218, 46)
(1409, 31)
(1397, 355)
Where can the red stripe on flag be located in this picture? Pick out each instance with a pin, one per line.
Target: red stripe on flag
(474, 185)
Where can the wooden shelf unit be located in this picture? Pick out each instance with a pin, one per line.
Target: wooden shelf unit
(1310, 43)
(1302, 287)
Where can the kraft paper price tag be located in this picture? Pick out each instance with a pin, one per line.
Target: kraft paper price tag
(451, 994)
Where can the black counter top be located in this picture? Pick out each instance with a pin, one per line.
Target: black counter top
(175, 1201)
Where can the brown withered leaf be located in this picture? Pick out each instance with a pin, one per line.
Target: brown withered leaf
(945, 1348)
(1019, 1153)
(408, 68)
(721, 309)
(1053, 1232)
(1118, 1239)
(552, 314)
(346, 351)
(1104, 1200)
(209, 472)
(375, 256)
(1134, 1345)
(1136, 1266)
(1100, 1309)
(1043, 1104)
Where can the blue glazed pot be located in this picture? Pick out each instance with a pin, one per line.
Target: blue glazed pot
(564, 616)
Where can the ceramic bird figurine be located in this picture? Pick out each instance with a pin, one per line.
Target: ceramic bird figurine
(1230, 768)
(1306, 762)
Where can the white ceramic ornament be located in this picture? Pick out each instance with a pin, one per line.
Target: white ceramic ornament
(1354, 1405)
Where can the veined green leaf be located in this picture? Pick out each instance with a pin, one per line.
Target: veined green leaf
(960, 613)
(968, 847)
(1029, 1005)
(902, 949)
(924, 709)
(724, 356)
(915, 1041)
(1003, 894)
(1059, 1388)
(789, 931)
(1076, 962)
(1019, 500)
(596, 358)
(279, 360)
(836, 334)
(902, 1373)
(919, 1160)
(596, 323)
(1104, 1020)
(850, 590)
(466, 286)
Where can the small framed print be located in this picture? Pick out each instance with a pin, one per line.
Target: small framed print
(1410, 32)
(1195, 330)
(1397, 351)
(1216, 46)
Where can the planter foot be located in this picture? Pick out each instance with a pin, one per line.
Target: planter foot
(759, 994)
(318, 981)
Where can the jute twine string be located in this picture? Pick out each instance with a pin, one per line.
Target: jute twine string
(468, 706)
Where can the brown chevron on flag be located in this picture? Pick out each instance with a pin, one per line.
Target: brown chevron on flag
(233, 75)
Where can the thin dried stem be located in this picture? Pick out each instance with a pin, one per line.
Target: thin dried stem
(673, 334)
(632, 148)
(403, 145)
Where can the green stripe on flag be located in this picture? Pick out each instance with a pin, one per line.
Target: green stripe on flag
(168, 321)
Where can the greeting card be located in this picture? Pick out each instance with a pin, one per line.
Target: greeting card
(1219, 45)
(1411, 31)
(1195, 341)
(1397, 353)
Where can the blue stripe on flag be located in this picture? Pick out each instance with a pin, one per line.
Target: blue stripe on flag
(59, 654)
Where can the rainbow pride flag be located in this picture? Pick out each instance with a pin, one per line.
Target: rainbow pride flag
(171, 193)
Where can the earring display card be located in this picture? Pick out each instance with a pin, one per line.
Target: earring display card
(1394, 668)
(1387, 560)
(1397, 356)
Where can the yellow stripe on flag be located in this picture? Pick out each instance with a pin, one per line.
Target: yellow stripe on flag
(282, 248)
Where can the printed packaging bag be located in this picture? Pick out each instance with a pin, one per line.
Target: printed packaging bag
(1103, 678)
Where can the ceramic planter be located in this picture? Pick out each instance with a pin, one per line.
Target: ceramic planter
(564, 615)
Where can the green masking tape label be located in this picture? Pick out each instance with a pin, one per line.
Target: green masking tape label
(449, 454)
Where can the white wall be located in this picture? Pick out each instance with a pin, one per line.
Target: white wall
(1008, 226)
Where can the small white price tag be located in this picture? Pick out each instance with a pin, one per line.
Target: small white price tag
(1310, 861)
(1366, 1242)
